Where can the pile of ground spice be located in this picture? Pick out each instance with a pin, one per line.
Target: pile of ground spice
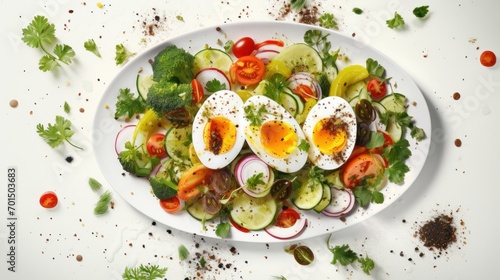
(307, 15)
(438, 233)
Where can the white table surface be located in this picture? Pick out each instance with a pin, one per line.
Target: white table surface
(441, 53)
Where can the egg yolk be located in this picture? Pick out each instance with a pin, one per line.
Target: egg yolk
(278, 138)
(219, 135)
(330, 136)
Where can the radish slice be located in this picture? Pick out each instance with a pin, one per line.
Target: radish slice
(160, 167)
(305, 78)
(206, 75)
(125, 134)
(266, 55)
(252, 165)
(342, 203)
(287, 233)
(270, 47)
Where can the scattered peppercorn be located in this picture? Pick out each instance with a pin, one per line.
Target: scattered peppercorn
(438, 233)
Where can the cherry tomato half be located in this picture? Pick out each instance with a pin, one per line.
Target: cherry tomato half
(243, 47)
(171, 205)
(376, 88)
(156, 145)
(287, 218)
(48, 199)
(488, 58)
(247, 70)
(197, 91)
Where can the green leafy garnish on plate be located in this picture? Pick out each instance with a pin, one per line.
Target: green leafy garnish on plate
(396, 21)
(55, 134)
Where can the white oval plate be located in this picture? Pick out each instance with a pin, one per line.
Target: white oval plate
(136, 191)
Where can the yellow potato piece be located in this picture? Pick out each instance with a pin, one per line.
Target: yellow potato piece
(346, 77)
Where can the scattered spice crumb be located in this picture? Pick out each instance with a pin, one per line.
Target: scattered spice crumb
(458, 142)
(13, 103)
(79, 258)
(82, 110)
(456, 95)
(438, 233)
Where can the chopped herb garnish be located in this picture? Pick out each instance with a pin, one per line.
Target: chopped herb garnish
(255, 180)
(144, 272)
(66, 107)
(183, 252)
(222, 229)
(357, 11)
(214, 85)
(94, 184)
(91, 46)
(128, 105)
(56, 133)
(396, 21)
(102, 205)
(327, 20)
(421, 11)
(122, 54)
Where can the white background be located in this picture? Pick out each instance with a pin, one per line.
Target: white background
(440, 52)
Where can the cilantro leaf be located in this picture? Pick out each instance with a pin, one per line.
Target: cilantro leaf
(56, 133)
(214, 85)
(122, 54)
(343, 255)
(91, 46)
(396, 172)
(396, 21)
(417, 133)
(128, 105)
(374, 68)
(421, 11)
(255, 180)
(275, 86)
(399, 151)
(255, 115)
(304, 145)
(327, 20)
(64, 53)
(367, 264)
(47, 63)
(222, 229)
(144, 272)
(377, 139)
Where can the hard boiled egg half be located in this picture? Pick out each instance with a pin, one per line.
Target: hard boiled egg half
(217, 135)
(273, 134)
(330, 128)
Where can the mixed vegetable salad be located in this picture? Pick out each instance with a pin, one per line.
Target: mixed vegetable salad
(257, 133)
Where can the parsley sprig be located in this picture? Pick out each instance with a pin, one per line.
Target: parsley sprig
(91, 46)
(55, 134)
(396, 21)
(344, 255)
(144, 272)
(40, 33)
(122, 54)
(128, 105)
(255, 115)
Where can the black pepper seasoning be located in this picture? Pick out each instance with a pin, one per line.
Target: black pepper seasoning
(438, 233)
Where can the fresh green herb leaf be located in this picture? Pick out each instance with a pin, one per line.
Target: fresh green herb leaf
(144, 272)
(94, 184)
(255, 180)
(396, 21)
(128, 105)
(222, 229)
(56, 133)
(421, 11)
(396, 172)
(183, 252)
(102, 205)
(399, 151)
(280, 277)
(275, 86)
(91, 46)
(40, 33)
(203, 262)
(179, 18)
(374, 68)
(304, 146)
(228, 46)
(343, 255)
(66, 107)
(297, 5)
(357, 11)
(316, 39)
(214, 85)
(417, 133)
(122, 54)
(254, 115)
(327, 20)
(367, 264)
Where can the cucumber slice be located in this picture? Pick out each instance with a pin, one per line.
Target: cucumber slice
(196, 211)
(142, 83)
(212, 58)
(395, 102)
(253, 213)
(290, 104)
(353, 101)
(381, 110)
(301, 57)
(308, 195)
(177, 142)
(354, 90)
(325, 200)
(394, 130)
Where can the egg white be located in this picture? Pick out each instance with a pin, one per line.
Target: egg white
(330, 107)
(224, 103)
(296, 160)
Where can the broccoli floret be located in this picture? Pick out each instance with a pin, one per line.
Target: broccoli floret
(165, 96)
(173, 64)
(136, 162)
(163, 188)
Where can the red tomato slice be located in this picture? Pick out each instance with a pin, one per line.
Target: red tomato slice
(171, 205)
(238, 227)
(156, 145)
(287, 218)
(387, 142)
(247, 70)
(305, 92)
(488, 58)
(376, 88)
(359, 167)
(243, 47)
(197, 176)
(48, 199)
(197, 91)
